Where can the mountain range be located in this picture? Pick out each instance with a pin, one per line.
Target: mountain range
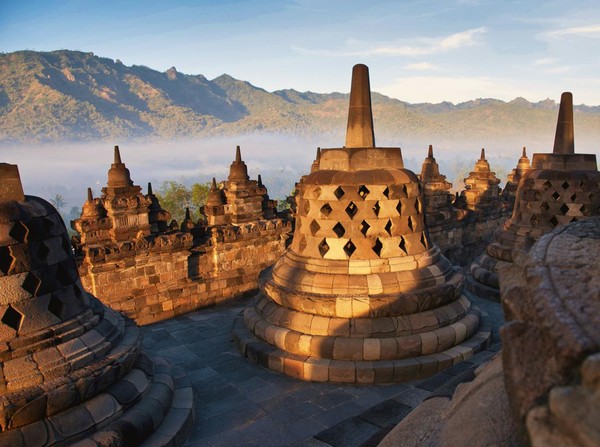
(76, 96)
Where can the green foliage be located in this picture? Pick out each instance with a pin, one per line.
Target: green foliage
(175, 197)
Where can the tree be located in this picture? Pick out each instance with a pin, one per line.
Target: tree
(175, 197)
(199, 194)
(59, 202)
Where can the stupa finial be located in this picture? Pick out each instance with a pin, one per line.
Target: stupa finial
(238, 154)
(117, 155)
(482, 157)
(564, 141)
(90, 195)
(359, 132)
(11, 187)
(524, 152)
(150, 189)
(430, 152)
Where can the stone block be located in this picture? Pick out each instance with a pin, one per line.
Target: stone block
(342, 371)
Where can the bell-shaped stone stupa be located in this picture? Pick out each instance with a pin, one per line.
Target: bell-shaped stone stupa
(71, 369)
(361, 295)
(560, 187)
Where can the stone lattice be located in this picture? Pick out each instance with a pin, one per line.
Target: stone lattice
(361, 295)
(71, 370)
(560, 188)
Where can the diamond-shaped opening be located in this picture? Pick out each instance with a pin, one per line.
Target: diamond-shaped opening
(351, 210)
(306, 207)
(339, 229)
(544, 207)
(388, 227)
(364, 227)
(574, 198)
(19, 232)
(547, 184)
(376, 208)
(592, 196)
(424, 240)
(583, 209)
(554, 221)
(363, 191)
(339, 192)
(349, 248)
(43, 251)
(386, 192)
(31, 284)
(314, 227)
(48, 224)
(399, 207)
(564, 208)
(12, 318)
(402, 245)
(6, 259)
(536, 195)
(317, 192)
(302, 243)
(535, 220)
(565, 185)
(64, 275)
(377, 247)
(418, 205)
(411, 224)
(323, 247)
(55, 306)
(556, 195)
(326, 209)
(405, 190)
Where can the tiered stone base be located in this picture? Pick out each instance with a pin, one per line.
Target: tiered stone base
(405, 353)
(483, 280)
(88, 383)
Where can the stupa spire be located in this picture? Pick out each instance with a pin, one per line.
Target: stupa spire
(117, 155)
(214, 183)
(150, 189)
(10, 183)
(359, 132)
(564, 140)
(90, 195)
(430, 152)
(482, 157)
(238, 154)
(524, 152)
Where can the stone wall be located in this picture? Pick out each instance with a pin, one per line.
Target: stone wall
(153, 279)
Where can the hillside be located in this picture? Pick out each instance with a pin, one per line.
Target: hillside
(74, 96)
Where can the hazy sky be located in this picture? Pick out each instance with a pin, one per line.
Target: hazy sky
(417, 51)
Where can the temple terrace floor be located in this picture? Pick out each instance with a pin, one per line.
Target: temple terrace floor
(238, 403)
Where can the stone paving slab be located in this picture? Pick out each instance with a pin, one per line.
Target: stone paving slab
(239, 403)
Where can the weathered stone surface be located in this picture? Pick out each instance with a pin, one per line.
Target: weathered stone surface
(65, 354)
(361, 279)
(553, 315)
(559, 188)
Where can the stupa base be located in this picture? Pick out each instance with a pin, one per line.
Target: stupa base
(317, 369)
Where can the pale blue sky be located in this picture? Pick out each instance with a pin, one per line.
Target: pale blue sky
(418, 51)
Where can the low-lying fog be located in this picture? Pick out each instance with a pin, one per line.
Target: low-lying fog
(68, 169)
